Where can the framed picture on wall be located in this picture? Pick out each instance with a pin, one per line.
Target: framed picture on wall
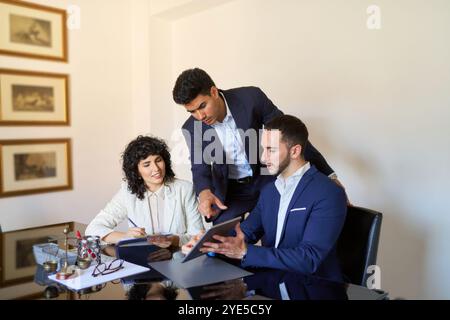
(33, 98)
(32, 31)
(16, 251)
(34, 166)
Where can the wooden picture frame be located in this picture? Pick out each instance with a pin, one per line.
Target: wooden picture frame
(33, 98)
(16, 251)
(34, 166)
(33, 31)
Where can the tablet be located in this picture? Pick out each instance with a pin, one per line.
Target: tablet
(221, 229)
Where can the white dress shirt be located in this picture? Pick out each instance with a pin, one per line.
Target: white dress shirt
(233, 146)
(283, 292)
(286, 188)
(156, 203)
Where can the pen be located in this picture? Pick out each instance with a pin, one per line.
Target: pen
(132, 222)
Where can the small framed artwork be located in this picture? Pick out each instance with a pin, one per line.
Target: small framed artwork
(16, 251)
(33, 98)
(34, 166)
(32, 31)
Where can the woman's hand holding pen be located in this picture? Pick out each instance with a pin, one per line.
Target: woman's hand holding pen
(135, 233)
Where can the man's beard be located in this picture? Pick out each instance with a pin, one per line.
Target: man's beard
(283, 165)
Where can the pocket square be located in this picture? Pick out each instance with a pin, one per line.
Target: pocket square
(298, 209)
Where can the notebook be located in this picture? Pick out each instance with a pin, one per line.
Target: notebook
(137, 251)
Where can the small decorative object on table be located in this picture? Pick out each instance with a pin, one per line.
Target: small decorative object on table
(88, 250)
(84, 263)
(51, 257)
(65, 271)
(50, 266)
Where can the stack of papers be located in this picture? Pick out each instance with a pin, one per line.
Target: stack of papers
(83, 278)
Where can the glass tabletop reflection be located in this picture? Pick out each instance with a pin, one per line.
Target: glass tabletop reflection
(263, 284)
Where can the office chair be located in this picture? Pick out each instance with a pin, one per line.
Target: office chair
(357, 245)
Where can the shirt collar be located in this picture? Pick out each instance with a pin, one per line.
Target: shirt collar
(158, 193)
(296, 176)
(228, 116)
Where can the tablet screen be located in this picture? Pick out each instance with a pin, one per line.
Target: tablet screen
(221, 229)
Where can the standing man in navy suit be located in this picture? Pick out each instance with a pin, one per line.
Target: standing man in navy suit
(226, 169)
(298, 218)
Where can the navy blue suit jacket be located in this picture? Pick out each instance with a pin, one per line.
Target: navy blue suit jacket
(314, 220)
(251, 109)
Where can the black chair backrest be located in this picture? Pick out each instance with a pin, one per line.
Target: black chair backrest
(358, 243)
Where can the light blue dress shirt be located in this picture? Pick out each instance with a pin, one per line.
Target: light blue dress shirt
(286, 188)
(283, 292)
(233, 146)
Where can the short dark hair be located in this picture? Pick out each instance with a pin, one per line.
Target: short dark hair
(190, 83)
(137, 150)
(293, 130)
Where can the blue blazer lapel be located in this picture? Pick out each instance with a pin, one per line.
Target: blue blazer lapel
(272, 204)
(307, 177)
(219, 169)
(305, 180)
(237, 110)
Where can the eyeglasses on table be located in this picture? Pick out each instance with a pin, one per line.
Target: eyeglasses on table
(104, 269)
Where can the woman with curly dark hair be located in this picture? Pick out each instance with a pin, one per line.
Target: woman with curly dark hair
(151, 198)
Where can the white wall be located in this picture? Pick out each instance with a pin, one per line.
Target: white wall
(376, 104)
(109, 101)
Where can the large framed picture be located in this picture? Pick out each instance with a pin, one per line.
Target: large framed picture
(34, 166)
(33, 98)
(16, 251)
(32, 31)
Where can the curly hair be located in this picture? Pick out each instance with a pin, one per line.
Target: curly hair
(137, 150)
(190, 83)
(139, 291)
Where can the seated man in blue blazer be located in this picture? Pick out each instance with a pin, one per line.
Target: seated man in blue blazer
(298, 217)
